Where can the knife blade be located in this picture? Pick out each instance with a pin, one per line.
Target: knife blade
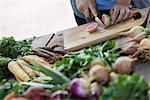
(99, 22)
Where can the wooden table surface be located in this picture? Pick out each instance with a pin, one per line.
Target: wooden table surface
(53, 39)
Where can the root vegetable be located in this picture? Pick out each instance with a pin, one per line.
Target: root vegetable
(32, 90)
(106, 20)
(124, 65)
(143, 50)
(96, 62)
(25, 67)
(92, 27)
(130, 48)
(113, 75)
(145, 43)
(18, 71)
(10, 96)
(19, 80)
(138, 37)
(40, 53)
(29, 58)
(40, 74)
(80, 88)
(59, 95)
(100, 74)
(133, 31)
(96, 89)
(20, 98)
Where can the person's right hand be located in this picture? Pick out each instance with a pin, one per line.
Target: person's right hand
(87, 6)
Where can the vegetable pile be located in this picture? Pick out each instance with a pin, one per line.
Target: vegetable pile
(72, 64)
(101, 72)
(11, 49)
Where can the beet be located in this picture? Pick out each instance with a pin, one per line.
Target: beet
(92, 27)
(124, 65)
(129, 49)
(106, 20)
(100, 74)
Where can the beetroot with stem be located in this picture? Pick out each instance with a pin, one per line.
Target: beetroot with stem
(129, 49)
(124, 65)
(133, 31)
(100, 74)
(143, 50)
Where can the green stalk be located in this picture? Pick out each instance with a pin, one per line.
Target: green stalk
(56, 75)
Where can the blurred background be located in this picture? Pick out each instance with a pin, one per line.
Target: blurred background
(27, 18)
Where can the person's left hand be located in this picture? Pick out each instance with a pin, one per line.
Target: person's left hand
(119, 13)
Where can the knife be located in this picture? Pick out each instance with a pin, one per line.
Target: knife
(99, 22)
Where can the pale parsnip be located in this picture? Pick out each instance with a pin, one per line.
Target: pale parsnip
(25, 67)
(18, 71)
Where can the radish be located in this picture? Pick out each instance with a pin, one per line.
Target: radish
(124, 65)
(100, 74)
(92, 27)
(80, 88)
(106, 20)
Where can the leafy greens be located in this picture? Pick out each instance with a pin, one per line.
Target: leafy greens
(71, 64)
(126, 87)
(11, 48)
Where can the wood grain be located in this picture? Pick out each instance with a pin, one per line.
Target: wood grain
(77, 38)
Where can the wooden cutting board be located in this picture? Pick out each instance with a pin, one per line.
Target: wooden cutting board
(77, 38)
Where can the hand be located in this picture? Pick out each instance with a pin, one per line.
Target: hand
(119, 13)
(86, 6)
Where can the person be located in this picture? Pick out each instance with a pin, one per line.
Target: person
(117, 9)
(140, 3)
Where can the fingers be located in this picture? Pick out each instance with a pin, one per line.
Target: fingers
(119, 13)
(93, 9)
(86, 12)
(127, 14)
(121, 16)
(115, 14)
(86, 6)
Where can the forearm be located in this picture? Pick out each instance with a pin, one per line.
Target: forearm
(124, 2)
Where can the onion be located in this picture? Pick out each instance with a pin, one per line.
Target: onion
(80, 88)
(100, 74)
(59, 95)
(124, 65)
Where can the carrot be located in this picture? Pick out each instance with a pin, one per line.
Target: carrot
(18, 71)
(25, 67)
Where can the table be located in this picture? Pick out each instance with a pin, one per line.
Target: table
(53, 39)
